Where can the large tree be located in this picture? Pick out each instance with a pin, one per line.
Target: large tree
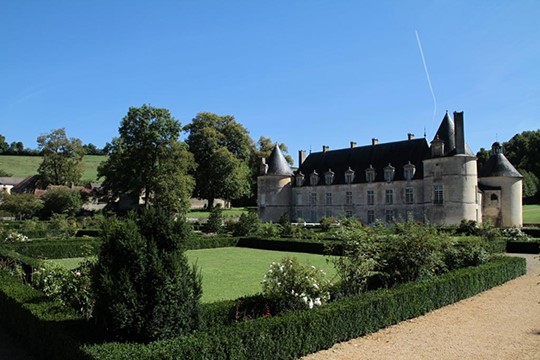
(4, 146)
(62, 158)
(222, 149)
(148, 159)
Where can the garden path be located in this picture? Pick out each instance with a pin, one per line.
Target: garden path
(501, 323)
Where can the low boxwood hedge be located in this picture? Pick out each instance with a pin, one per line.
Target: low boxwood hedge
(302, 332)
(320, 247)
(55, 249)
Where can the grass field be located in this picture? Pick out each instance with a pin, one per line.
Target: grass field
(531, 214)
(201, 214)
(229, 273)
(23, 166)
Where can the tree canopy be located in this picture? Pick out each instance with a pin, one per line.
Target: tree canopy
(222, 149)
(148, 160)
(62, 158)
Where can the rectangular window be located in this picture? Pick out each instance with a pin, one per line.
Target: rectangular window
(371, 216)
(313, 199)
(298, 199)
(389, 216)
(262, 199)
(328, 198)
(371, 197)
(348, 213)
(314, 216)
(389, 197)
(438, 197)
(409, 196)
(348, 198)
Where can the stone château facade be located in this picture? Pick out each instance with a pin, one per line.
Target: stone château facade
(404, 180)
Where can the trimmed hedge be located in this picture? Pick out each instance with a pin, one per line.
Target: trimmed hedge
(523, 247)
(56, 249)
(210, 242)
(532, 231)
(320, 247)
(302, 332)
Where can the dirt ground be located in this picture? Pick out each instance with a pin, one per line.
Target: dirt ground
(501, 323)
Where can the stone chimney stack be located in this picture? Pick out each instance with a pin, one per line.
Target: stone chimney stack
(410, 136)
(301, 157)
(374, 141)
(325, 148)
(460, 133)
(353, 144)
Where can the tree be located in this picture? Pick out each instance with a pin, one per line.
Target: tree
(16, 147)
(62, 158)
(148, 159)
(531, 184)
(145, 289)
(61, 201)
(222, 149)
(21, 205)
(483, 157)
(264, 149)
(4, 146)
(523, 151)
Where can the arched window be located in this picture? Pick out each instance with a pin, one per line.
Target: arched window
(329, 177)
(349, 176)
(314, 178)
(370, 174)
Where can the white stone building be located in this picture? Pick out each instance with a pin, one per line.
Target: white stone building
(404, 180)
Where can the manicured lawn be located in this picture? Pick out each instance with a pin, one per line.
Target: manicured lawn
(23, 166)
(200, 214)
(531, 214)
(229, 273)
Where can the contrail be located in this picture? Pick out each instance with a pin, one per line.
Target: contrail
(427, 75)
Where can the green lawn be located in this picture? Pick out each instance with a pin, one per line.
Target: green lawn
(531, 214)
(200, 214)
(23, 166)
(229, 273)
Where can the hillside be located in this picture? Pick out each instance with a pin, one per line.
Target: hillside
(23, 166)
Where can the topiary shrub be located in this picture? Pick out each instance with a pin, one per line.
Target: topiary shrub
(144, 287)
(215, 221)
(248, 224)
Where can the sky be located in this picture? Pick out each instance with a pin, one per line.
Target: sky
(304, 73)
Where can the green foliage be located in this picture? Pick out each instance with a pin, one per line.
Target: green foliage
(327, 222)
(294, 286)
(299, 333)
(56, 249)
(22, 206)
(144, 287)
(269, 230)
(214, 224)
(149, 160)
(467, 251)
(222, 148)
(531, 183)
(61, 200)
(62, 158)
(70, 287)
(248, 224)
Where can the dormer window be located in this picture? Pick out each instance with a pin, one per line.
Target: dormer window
(349, 176)
(329, 177)
(313, 178)
(299, 179)
(370, 174)
(389, 172)
(408, 171)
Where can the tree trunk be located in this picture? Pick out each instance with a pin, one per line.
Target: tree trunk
(210, 203)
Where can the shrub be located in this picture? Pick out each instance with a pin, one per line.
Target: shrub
(248, 224)
(269, 230)
(327, 222)
(468, 251)
(215, 221)
(294, 286)
(515, 234)
(144, 287)
(16, 237)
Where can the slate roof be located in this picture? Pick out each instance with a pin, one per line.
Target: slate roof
(446, 132)
(360, 158)
(498, 165)
(277, 164)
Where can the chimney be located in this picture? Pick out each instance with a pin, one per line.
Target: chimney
(410, 136)
(301, 157)
(353, 144)
(374, 141)
(325, 148)
(460, 134)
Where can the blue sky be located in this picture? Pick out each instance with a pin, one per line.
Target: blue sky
(306, 73)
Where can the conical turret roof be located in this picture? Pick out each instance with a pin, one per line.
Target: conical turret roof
(498, 164)
(277, 164)
(446, 133)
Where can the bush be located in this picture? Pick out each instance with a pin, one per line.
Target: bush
(248, 224)
(327, 222)
(144, 287)
(269, 230)
(61, 200)
(215, 221)
(294, 286)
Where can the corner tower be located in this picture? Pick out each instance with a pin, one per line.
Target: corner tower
(274, 187)
(502, 187)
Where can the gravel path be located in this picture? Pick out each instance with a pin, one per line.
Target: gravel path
(501, 323)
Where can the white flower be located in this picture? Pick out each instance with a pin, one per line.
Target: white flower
(316, 286)
(317, 302)
(305, 299)
(310, 304)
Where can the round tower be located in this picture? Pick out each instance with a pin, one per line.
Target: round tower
(274, 187)
(502, 185)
